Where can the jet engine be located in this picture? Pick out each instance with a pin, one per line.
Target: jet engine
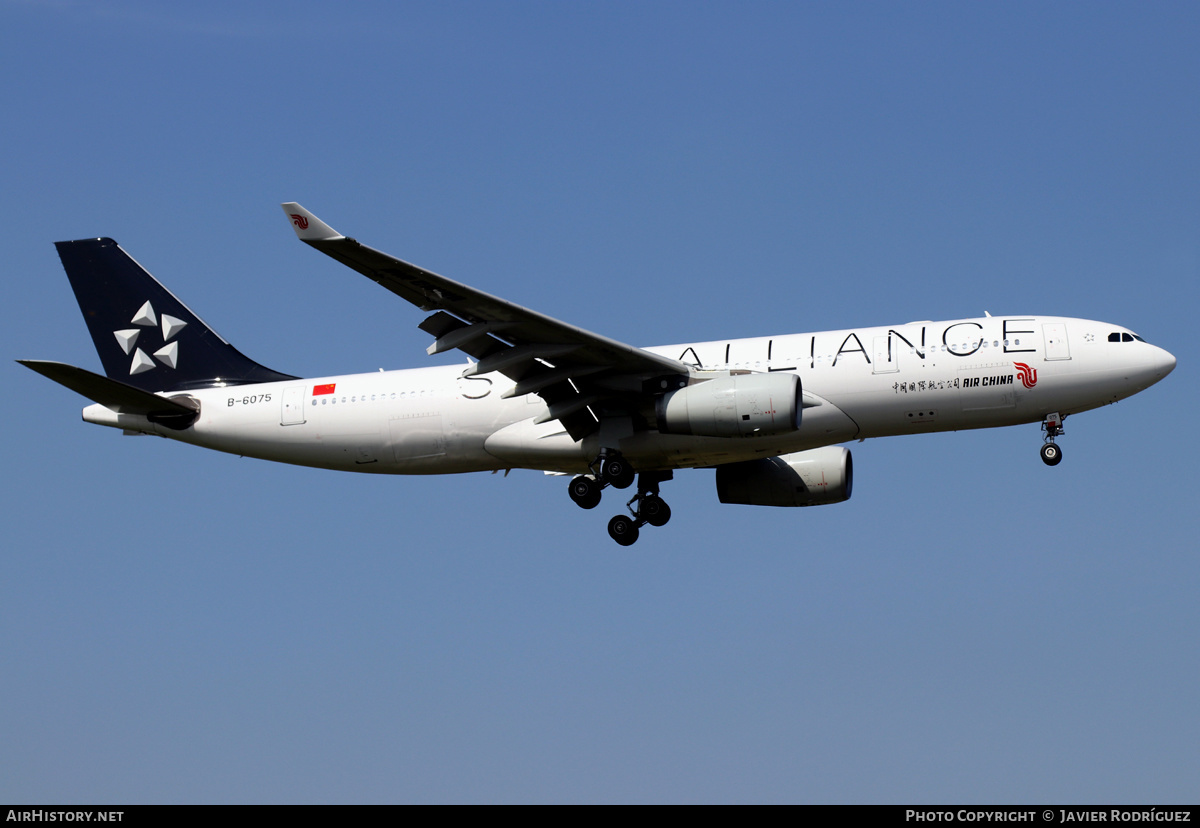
(741, 405)
(806, 478)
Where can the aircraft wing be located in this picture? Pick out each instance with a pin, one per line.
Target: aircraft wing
(572, 369)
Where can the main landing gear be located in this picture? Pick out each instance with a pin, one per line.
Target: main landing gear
(646, 507)
(1051, 453)
(610, 470)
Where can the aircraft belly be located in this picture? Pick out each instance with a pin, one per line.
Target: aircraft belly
(547, 445)
(652, 450)
(542, 446)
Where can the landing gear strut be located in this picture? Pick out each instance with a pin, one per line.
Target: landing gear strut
(646, 507)
(610, 469)
(1051, 453)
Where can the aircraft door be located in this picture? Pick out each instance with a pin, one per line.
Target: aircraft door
(1055, 334)
(293, 406)
(886, 356)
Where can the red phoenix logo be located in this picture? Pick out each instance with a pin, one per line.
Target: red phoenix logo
(1028, 375)
(300, 221)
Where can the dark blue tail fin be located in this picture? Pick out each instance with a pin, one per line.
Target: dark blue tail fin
(145, 336)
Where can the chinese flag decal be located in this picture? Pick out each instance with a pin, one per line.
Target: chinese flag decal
(318, 390)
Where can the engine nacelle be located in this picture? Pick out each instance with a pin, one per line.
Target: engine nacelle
(743, 405)
(806, 478)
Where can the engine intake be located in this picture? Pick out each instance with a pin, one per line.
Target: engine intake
(806, 478)
(742, 405)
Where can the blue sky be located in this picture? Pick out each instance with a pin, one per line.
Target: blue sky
(183, 626)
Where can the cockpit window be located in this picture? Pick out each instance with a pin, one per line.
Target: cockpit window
(1115, 336)
(1120, 336)
(1126, 337)
(1138, 338)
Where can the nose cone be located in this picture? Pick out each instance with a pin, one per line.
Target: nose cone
(1162, 363)
(1153, 365)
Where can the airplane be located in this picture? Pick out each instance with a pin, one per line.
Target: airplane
(768, 413)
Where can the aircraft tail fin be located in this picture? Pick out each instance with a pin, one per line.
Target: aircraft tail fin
(146, 337)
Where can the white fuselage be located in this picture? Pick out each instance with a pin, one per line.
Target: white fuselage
(861, 383)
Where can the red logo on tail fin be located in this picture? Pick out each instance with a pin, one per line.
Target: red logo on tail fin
(300, 221)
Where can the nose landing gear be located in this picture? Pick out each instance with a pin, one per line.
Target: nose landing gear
(1051, 453)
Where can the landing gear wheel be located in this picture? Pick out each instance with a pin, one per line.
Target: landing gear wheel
(618, 472)
(585, 492)
(1051, 454)
(623, 530)
(654, 510)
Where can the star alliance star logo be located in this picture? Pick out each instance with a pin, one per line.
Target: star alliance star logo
(145, 318)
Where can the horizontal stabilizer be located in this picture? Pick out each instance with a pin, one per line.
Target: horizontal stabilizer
(117, 396)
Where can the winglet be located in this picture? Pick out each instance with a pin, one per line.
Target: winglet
(308, 227)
